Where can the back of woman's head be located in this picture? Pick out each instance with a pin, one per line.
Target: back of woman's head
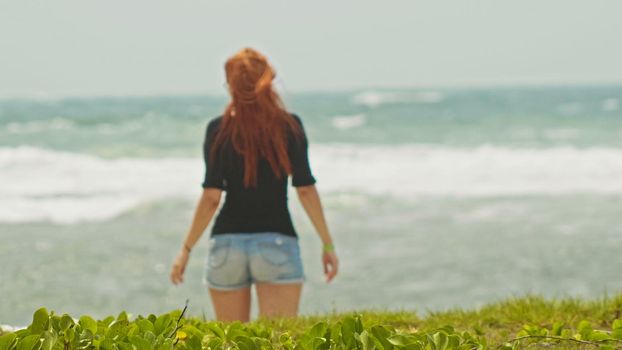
(255, 121)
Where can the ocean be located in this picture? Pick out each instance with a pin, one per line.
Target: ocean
(436, 198)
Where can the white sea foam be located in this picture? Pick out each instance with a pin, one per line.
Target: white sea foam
(39, 125)
(348, 121)
(374, 99)
(429, 97)
(412, 170)
(44, 185)
(611, 104)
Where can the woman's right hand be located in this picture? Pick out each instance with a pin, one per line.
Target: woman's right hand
(331, 265)
(179, 267)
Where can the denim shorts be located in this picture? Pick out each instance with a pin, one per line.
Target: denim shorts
(236, 260)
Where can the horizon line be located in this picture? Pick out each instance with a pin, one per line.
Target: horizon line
(43, 96)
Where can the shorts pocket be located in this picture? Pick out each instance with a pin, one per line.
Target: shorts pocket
(277, 251)
(218, 252)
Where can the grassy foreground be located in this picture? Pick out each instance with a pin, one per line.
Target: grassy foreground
(527, 322)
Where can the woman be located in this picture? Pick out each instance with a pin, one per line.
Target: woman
(250, 152)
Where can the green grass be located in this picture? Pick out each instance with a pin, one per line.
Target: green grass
(496, 323)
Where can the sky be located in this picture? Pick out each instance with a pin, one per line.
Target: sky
(155, 47)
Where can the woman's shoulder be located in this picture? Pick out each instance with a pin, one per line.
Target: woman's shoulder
(213, 125)
(214, 122)
(298, 120)
(296, 117)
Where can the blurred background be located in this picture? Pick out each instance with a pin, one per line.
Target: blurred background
(465, 152)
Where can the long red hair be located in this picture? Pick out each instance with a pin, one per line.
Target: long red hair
(255, 121)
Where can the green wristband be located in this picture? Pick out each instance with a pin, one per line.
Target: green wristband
(328, 247)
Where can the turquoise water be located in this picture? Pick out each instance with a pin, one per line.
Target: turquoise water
(436, 198)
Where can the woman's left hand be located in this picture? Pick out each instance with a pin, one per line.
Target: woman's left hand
(179, 267)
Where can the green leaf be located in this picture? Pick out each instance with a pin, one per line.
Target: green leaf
(235, 329)
(124, 346)
(318, 330)
(382, 333)
(88, 323)
(317, 343)
(333, 334)
(167, 344)
(507, 346)
(190, 329)
(22, 333)
(448, 329)
(161, 323)
(358, 323)
(566, 333)
(66, 322)
(6, 341)
(145, 325)
(617, 324)
(366, 341)
(49, 339)
(117, 329)
(598, 336)
(108, 320)
(150, 337)
(348, 329)
(585, 328)
(453, 341)
(152, 318)
(216, 329)
(478, 329)
(122, 316)
(40, 321)
(29, 343)
(133, 329)
(285, 337)
(70, 335)
(401, 339)
(107, 344)
(214, 343)
(440, 340)
(245, 343)
(414, 346)
(194, 343)
(141, 343)
(557, 329)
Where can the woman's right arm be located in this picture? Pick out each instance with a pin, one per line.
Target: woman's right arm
(310, 200)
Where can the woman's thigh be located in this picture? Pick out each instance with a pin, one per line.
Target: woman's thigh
(278, 300)
(276, 268)
(231, 305)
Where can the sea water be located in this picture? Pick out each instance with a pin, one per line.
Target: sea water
(435, 198)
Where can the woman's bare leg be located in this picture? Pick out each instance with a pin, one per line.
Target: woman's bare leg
(232, 305)
(278, 300)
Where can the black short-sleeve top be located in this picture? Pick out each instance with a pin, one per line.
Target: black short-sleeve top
(256, 209)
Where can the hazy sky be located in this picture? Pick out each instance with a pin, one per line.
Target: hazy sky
(117, 47)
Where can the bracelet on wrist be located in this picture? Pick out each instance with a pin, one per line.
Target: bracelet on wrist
(188, 249)
(328, 247)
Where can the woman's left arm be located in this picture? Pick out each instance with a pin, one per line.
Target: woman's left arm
(207, 206)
